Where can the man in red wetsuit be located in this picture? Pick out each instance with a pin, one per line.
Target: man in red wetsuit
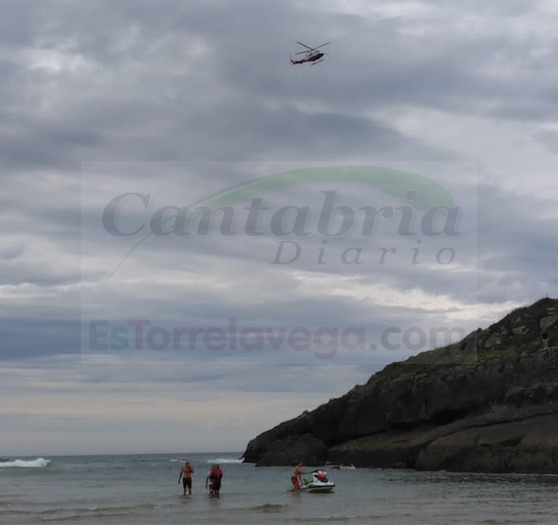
(215, 476)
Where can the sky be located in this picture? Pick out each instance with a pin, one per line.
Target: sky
(157, 106)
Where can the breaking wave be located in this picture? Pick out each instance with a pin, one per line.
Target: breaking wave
(225, 461)
(25, 463)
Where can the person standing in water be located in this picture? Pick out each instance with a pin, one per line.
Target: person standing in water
(186, 474)
(215, 476)
(296, 476)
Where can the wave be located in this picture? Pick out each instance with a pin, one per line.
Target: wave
(339, 467)
(225, 461)
(24, 463)
(269, 508)
(82, 512)
(78, 517)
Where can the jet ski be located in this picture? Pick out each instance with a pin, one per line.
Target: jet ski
(317, 482)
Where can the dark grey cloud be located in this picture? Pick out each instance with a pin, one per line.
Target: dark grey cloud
(206, 62)
(138, 81)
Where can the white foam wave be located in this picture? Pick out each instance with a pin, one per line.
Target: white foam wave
(23, 463)
(225, 461)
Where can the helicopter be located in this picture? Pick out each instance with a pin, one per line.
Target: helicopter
(313, 55)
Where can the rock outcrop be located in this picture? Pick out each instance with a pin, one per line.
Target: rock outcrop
(290, 450)
(488, 403)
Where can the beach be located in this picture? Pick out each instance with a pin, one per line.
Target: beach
(143, 489)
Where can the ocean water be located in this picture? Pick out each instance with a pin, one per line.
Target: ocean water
(143, 489)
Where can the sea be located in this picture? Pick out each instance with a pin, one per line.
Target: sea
(143, 489)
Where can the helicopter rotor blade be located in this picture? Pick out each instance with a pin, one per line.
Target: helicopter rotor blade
(322, 45)
(302, 52)
(304, 45)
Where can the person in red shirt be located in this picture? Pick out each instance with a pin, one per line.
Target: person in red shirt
(215, 476)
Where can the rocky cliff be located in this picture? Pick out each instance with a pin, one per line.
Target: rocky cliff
(488, 403)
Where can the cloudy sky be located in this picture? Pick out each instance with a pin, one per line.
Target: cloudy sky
(182, 100)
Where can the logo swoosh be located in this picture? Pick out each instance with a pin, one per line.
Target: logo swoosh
(391, 181)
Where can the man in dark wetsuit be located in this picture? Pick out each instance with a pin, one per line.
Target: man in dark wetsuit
(215, 476)
(186, 474)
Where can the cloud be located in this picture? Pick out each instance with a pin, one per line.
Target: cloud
(60, 399)
(103, 99)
